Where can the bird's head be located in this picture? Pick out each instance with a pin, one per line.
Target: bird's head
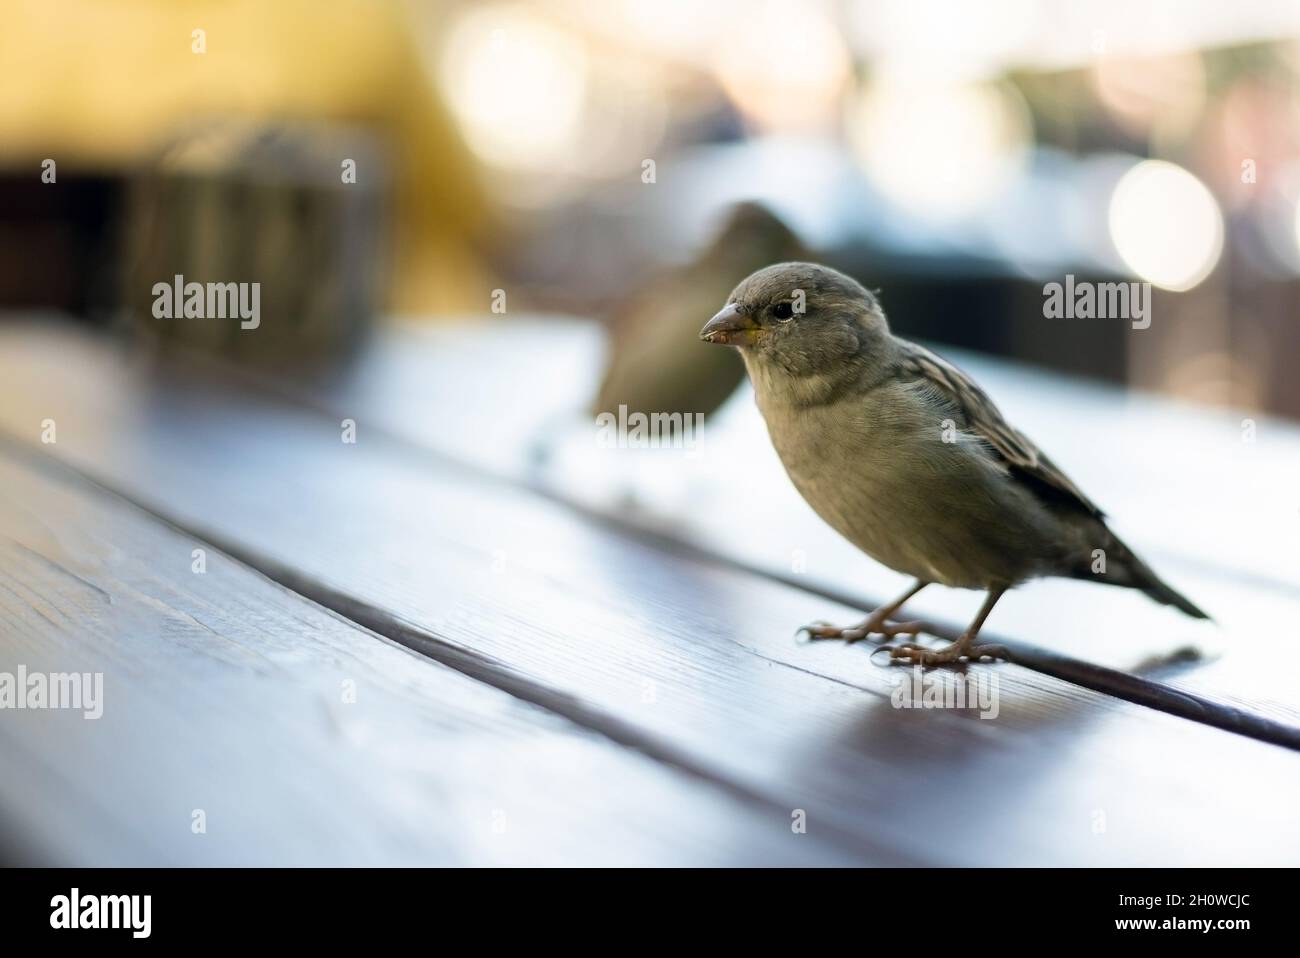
(800, 318)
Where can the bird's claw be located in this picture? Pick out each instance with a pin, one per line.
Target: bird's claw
(910, 653)
(871, 627)
(811, 631)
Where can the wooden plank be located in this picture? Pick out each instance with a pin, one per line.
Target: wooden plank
(687, 660)
(1212, 512)
(224, 692)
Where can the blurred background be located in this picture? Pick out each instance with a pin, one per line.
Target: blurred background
(477, 225)
(367, 160)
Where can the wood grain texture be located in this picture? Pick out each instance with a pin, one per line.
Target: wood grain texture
(225, 692)
(687, 660)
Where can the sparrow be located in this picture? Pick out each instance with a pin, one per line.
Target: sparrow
(907, 458)
(647, 371)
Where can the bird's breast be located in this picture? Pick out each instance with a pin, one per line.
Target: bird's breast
(848, 470)
(889, 484)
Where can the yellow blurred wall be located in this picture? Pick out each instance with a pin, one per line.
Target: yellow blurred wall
(100, 83)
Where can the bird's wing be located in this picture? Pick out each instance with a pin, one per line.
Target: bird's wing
(984, 420)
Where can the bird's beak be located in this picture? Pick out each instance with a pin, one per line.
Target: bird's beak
(730, 327)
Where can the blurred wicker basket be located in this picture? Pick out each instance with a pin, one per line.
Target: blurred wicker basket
(276, 206)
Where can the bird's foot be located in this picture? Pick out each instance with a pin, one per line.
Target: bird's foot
(874, 624)
(909, 653)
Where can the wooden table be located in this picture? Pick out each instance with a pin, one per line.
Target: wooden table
(473, 636)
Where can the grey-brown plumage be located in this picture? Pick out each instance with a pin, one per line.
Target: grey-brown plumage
(907, 458)
(648, 371)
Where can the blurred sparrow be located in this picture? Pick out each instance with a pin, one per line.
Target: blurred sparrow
(908, 459)
(647, 371)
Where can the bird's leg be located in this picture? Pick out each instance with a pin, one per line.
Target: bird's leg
(963, 648)
(877, 623)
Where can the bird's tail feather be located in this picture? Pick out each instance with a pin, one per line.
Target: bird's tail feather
(1163, 592)
(1127, 570)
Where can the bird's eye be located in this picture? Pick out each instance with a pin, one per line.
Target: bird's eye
(783, 311)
